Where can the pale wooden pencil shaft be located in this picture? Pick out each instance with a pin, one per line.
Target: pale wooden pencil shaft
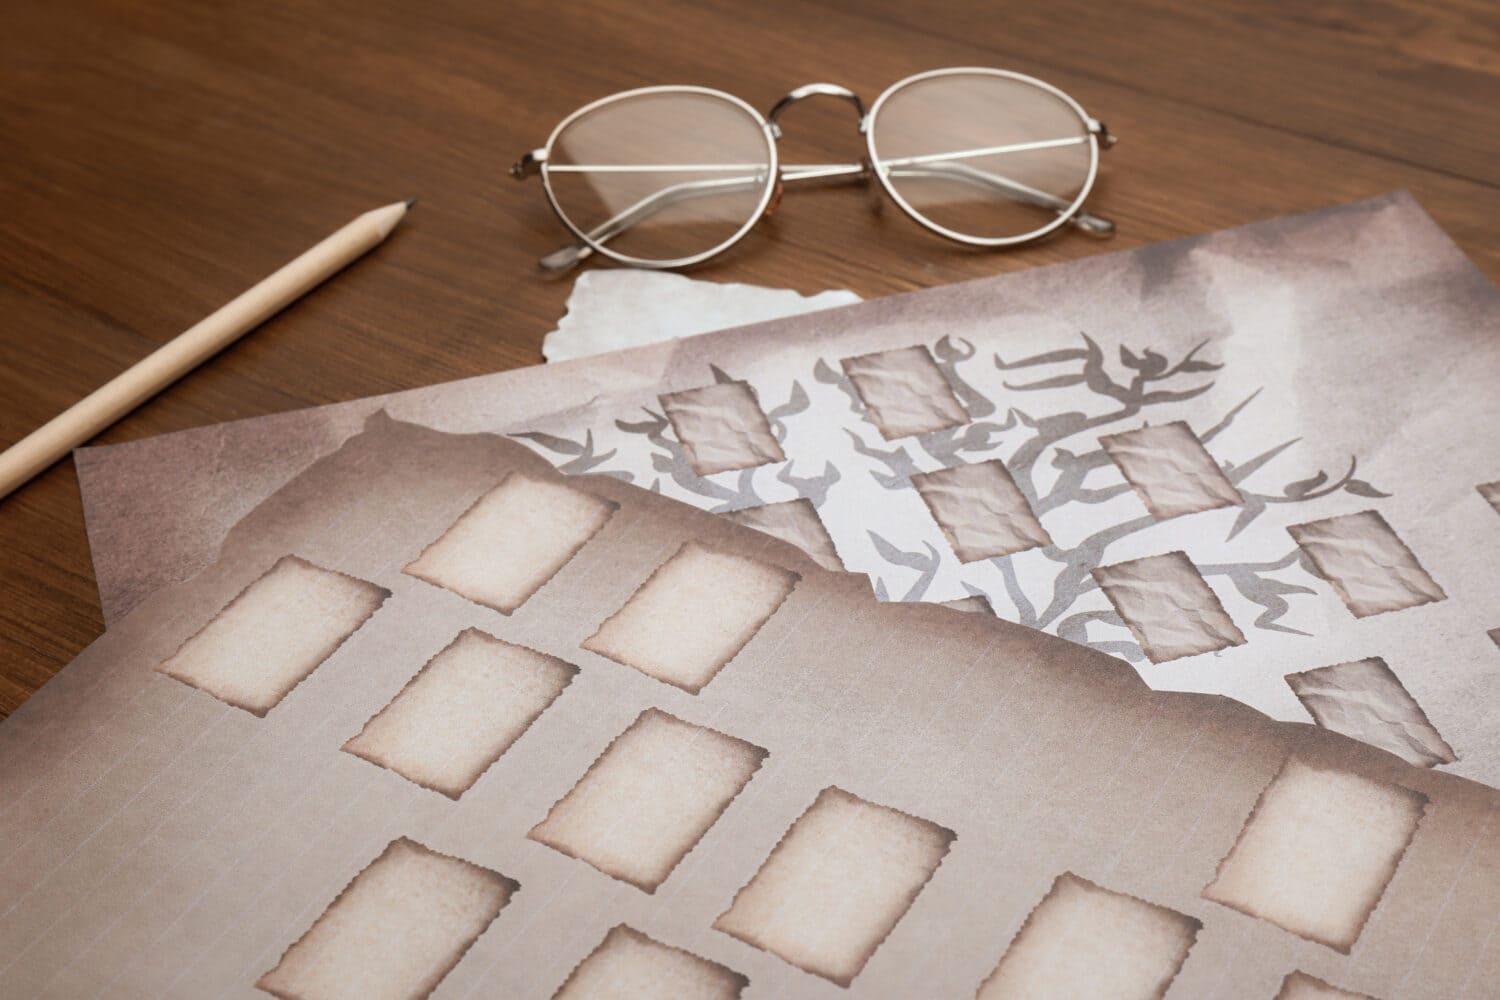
(191, 348)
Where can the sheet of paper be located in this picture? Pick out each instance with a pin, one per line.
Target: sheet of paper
(1233, 460)
(858, 799)
(615, 308)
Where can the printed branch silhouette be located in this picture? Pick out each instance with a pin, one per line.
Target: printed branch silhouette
(1146, 386)
(1150, 381)
(670, 459)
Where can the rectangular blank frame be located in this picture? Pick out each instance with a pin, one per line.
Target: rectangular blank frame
(628, 965)
(1300, 986)
(721, 427)
(837, 884)
(1369, 567)
(1083, 940)
(395, 931)
(981, 511)
(512, 541)
(693, 615)
(1317, 852)
(795, 522)
(461, 712)
(905, 392)
(274, 634)
(1365, 700)
(1168, 606)
(649, 798)
(1170, 470)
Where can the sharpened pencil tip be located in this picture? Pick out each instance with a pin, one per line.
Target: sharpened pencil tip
(410, 202)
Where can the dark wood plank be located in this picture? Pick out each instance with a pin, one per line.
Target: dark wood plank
(1413, 82)
(162, 155)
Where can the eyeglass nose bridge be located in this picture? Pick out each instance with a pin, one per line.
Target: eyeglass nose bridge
(816, 90)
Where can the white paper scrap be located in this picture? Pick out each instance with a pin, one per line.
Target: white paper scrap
(610, 310)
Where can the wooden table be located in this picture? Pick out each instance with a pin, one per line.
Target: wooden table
(161, 155)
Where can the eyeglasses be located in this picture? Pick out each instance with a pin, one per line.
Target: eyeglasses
(666, 177)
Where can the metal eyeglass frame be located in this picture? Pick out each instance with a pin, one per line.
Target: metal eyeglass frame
(1069, 211)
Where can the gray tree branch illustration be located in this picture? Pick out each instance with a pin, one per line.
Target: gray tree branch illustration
(1058, 449)
(1150, 382)
(668, 457)
(584, 457)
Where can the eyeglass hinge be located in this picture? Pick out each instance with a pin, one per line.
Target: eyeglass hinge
(529, 165)
(1101, 130)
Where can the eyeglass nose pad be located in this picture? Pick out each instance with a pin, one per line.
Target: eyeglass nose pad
(775, 202)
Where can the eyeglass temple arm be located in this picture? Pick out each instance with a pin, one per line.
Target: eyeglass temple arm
(1093, 224)
(569, 257)
(1013, 189)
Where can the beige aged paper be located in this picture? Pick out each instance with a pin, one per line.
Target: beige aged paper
(156, 840)
(1083, 940)
(461, 711)
(1253, 400)
(394, 931)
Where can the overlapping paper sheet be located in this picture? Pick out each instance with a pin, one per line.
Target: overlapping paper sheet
(683, 760)
(1251, 463)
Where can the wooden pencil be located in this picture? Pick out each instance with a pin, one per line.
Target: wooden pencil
(156, 371)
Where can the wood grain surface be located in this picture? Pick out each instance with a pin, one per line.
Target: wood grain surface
(159, 156)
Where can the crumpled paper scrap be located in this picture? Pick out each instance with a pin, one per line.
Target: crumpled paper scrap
(610, 310)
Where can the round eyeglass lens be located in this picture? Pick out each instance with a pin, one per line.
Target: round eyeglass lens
(983, 157)
(662, 176)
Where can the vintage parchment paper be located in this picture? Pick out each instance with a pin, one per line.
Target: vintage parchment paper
(615, 308)
(160, 842)
(1203, 426)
